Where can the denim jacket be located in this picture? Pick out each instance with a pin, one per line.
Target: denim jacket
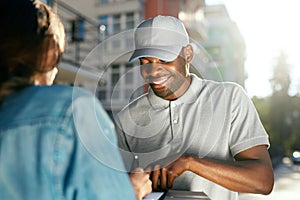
(57, 142)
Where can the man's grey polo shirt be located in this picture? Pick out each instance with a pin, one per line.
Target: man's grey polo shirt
(216, 120)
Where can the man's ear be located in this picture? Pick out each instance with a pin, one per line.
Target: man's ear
(188, 53)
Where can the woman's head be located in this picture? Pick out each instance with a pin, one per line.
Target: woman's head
(32, 41)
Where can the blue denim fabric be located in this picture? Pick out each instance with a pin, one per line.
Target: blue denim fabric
(57, 142)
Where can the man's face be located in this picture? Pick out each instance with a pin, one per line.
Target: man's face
(168, 80)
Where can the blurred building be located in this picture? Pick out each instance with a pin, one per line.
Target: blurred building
(99, 34)
(225, 45)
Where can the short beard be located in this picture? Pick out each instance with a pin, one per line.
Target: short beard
(168, 91)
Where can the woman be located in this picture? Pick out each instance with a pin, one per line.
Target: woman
(56, 142)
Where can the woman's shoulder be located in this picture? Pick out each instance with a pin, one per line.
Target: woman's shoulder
(63, 92)
(42, 102)
(59, 98)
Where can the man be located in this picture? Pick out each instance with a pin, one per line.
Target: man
(195, 134)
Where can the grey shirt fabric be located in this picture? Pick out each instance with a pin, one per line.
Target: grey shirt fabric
(212, 119)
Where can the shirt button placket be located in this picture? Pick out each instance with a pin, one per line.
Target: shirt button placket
(174, 114)
(175, 125)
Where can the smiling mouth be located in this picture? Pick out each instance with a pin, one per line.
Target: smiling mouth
(160, 80)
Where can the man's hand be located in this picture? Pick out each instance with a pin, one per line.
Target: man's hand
(141, 183)
(163, 178)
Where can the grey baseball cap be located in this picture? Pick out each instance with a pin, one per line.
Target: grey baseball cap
(160, 37)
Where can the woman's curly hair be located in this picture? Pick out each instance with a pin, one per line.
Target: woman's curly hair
(29, 30)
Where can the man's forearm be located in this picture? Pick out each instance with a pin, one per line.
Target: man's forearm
(248, 176)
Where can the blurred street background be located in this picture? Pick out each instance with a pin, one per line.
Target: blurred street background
(287, 183)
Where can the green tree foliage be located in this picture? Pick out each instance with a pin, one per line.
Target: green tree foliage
(280, 105)
(280, 113)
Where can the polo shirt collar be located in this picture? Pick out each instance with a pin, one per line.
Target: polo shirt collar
(190, 96)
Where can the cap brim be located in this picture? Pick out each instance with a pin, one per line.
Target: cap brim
(165, 53)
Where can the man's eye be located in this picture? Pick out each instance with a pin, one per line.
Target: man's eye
(143, 62)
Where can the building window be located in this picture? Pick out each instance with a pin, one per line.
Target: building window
(78, 30)
(129, 74)
(115, 76)
(129, 20)
(121, 81)
(116, 24)
(48, 2)
(103, 1)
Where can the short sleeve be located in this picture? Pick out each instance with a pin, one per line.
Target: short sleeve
(246, 128)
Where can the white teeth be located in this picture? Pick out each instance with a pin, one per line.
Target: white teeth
(160, 81)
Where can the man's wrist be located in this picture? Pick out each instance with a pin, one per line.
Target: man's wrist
(189, 162)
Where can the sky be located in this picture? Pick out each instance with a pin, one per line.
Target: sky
(268, 27)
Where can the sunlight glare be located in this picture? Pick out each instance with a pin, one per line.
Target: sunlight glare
(268, 27)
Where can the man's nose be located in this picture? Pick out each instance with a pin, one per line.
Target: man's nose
(154, 68)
